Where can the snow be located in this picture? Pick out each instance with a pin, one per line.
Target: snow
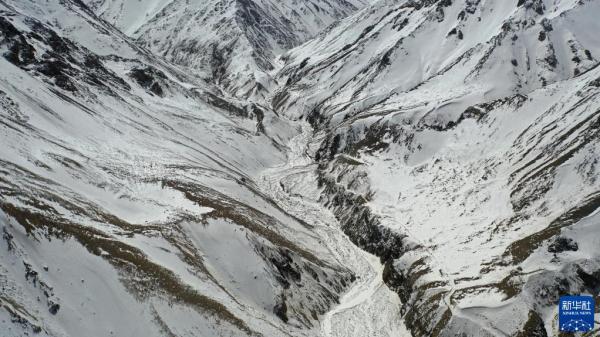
(223, 36)
(464, 190)
(369, 308)
(486, 142)
(89, 291)
(123, 163)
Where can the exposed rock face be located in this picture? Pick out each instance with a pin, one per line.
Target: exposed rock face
(149, 79)
(233, 42)
(562, 244)
(460, 145)
(475, 153)
(127, 205)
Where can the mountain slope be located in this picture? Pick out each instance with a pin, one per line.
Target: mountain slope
(153, 180)
(126, 194)
(233, 42)
(461, 146)
(487, 49)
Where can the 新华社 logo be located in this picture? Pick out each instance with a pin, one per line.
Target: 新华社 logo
(576, 313)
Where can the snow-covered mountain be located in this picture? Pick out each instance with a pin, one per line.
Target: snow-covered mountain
(488, 49)
(231, 42)
(127, 200)
(297, 168)
(462, 142)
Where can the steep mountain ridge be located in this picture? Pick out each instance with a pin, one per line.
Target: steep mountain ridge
(491, 49)
(232, 42)
(461, 142)
(154, 182)
(127, 194)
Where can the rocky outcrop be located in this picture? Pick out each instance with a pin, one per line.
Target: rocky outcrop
(465, 195)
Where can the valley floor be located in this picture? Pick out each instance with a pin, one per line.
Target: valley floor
(369, 308)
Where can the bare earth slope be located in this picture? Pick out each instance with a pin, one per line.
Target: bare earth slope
(462, 142)
(232, 42)
(156, 178)
(127, 206)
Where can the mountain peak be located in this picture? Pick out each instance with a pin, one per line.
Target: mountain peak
(319, 168)
(231, 42)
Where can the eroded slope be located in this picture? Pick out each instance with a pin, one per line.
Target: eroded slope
(126, 194)
(461, 147)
